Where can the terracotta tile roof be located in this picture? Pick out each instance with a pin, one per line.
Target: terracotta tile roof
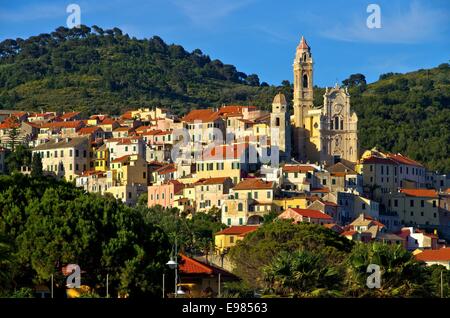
(107, 121)
(378, 160)
(238, 230)
(127, 115)
(236, 109)
(203, 115)
(69, 115)
(254, 184)
(348, 233)
(9, 123)
(92, 172)
(206, 181)
(151, 132)
(89, 130)
(429, 193)
(442, 254)
(298, 168)
(191, 266)
(310, 213)
(320, 190)
(303, 44)
(63, 124)
(166, 169)
(401, 159)
(121, 159)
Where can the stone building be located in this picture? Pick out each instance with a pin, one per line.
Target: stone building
(325, 134)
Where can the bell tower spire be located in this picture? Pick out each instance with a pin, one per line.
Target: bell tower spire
(303, 93)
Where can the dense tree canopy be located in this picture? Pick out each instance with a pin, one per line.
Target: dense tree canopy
(306, 260)
(46, 224)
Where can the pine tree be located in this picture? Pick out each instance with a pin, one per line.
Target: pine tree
(36, 166)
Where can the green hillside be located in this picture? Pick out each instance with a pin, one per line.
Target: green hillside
(96, 70)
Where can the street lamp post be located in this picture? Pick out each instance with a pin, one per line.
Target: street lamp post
(173, 264)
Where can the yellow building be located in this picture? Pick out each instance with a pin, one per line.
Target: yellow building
(128, 170)
(227, 238)
(101, 158)
(321, 134)
(223, 161)
(248, 203)
(418, 207)
(300, 202)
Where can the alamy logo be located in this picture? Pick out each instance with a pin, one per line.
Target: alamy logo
(74, 19)
(374, 279)
(74, 279)
(374, 19)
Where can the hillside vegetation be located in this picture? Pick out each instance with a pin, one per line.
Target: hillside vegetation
(96, 70)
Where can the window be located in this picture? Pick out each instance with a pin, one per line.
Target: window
(411, 203)
(84, 153)
(77, 153)
(363, 206)
(305, 80)
(231, 239)
(269, 194)
(241, 221)
(240, 207)
(396, 203)
(277, 122)
(324, 181)
(56, 153)
(422, 203)
(229, 221)
(434, 204)
(333, 181)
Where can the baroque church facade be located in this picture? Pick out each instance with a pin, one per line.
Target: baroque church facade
(325, 134)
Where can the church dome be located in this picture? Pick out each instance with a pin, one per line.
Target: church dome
(279, 99)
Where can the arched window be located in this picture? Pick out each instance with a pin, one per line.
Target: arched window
(305, 81)
(342, 124)
(336, 123)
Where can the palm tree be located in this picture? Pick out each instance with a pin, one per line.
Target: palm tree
(401, 274)
(302, 274)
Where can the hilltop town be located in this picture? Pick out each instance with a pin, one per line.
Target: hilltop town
(252, 165)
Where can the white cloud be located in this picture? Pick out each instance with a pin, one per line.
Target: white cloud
(416, 24)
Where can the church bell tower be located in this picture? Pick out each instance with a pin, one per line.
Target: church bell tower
(303, 96)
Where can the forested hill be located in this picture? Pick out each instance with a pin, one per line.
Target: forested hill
(96, 70)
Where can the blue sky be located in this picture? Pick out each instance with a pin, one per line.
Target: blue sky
(260, 36)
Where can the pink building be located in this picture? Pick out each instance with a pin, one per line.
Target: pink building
(306, 215)
(164, 194)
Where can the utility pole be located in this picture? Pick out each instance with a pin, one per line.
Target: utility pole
(176, 268)
(163, 287)
(219, 291)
